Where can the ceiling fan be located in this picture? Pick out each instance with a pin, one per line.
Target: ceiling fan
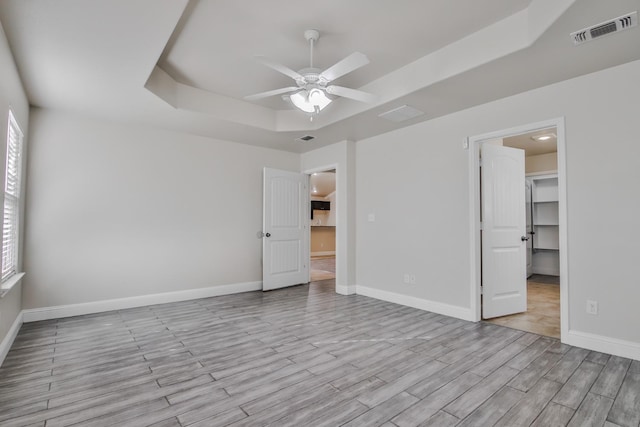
(310, 94)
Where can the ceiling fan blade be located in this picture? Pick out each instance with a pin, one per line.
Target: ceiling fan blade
(358, 95)
(347, 65)
(279, 67)
(270, 93)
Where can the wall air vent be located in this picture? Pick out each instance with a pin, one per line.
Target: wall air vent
(305, 138)
(612, 26)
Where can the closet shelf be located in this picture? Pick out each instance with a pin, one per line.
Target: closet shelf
(544, 222)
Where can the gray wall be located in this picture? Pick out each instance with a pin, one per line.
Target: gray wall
(416, 181)
(118, 211)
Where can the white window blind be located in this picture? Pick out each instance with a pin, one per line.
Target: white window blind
(10, 226)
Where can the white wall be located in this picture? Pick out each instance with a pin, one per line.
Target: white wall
(119, 211)
(11, 95)
(416, 182)
(340, 156)
(541, 163)
(331, 219)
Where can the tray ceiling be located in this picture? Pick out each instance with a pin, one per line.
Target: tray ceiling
(186, 65)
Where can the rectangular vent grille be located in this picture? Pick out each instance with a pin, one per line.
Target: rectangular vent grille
(618, 24)
(609, 27)
(401, 114)
(306, 138)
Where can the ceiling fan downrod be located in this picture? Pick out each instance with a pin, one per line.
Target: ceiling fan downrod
(312, 36)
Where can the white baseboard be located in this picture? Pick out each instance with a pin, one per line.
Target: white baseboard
(325, 253)
(8, 340)
(346, 289)
(603, 344)
(57, 312)
(547, 271)
(422, 304)
(589, 341)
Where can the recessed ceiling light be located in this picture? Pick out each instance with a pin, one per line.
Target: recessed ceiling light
(545, 137)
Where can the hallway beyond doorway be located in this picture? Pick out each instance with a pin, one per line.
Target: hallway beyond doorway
(323, 268)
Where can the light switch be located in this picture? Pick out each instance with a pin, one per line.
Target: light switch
(371, 217)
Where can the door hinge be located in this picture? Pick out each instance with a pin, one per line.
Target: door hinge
(481, 225)
(481, 290)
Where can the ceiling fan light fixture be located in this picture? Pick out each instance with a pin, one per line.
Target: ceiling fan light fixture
(312, 101)
(311, 93)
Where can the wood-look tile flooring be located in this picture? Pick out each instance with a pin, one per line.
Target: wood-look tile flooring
(304, 356)
(543, 308)
(323, 268)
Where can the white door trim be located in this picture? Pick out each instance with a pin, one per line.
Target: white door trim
(339, 228)
(474, 213)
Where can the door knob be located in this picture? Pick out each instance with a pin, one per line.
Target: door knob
(524, 239)
(268, 235)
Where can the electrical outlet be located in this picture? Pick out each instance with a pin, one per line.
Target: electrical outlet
(371, 217)
(409, 278)
(592, 307)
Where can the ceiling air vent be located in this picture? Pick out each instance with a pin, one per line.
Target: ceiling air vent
(306, 138)
(618, 24)
(401, 114)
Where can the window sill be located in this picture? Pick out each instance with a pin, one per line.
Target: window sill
(7, 285)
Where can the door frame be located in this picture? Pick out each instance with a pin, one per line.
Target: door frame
(332, 166)
(473, 143)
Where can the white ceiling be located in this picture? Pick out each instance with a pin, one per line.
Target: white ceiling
(322, 183)
(214, 47)
(533, 147)
(186, 65)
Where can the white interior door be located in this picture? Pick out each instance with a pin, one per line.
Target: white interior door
(504, 279)
(285, 240)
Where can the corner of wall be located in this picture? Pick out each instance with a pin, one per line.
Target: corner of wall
(10, 337)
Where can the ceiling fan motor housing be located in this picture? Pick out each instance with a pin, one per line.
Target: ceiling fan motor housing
(311, 76)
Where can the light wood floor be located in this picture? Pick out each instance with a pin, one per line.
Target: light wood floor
(304, 356)
(323, 268)
(543, 308)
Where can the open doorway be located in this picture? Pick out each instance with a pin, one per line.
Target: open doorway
(519, 270)
(542, 315)
(323, 227)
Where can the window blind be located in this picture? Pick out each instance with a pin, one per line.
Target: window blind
(10, 226)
